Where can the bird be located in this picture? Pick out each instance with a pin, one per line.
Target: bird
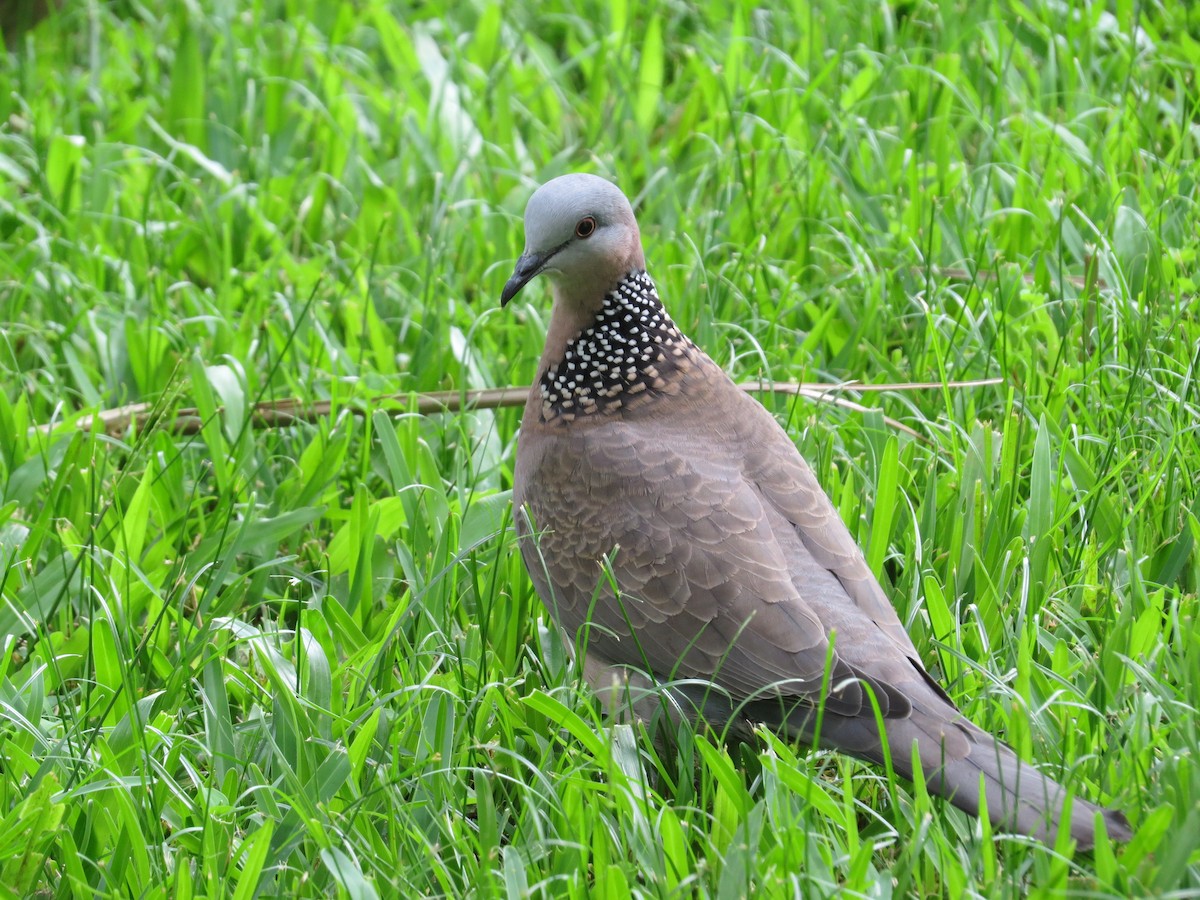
(682, 544)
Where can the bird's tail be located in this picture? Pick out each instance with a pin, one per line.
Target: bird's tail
(961, 761)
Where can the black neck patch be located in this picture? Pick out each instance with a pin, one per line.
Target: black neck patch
(633, 348)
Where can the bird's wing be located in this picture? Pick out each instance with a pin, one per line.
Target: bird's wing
(874, 637)
(706, 569)
(789, 486)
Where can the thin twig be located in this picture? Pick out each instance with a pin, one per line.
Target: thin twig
(281, 413)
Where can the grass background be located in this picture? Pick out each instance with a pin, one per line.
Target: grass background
(307, 661)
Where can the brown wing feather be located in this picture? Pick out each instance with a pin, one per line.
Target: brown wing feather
(704, 561)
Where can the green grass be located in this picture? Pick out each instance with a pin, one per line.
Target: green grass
(307, 661)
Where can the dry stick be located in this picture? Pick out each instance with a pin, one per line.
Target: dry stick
(281, 413)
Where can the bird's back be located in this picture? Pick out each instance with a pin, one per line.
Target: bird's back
(703, 471)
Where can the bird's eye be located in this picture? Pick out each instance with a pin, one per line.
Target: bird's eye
(585, 227)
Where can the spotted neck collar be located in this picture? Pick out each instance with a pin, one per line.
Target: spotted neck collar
(630, 353)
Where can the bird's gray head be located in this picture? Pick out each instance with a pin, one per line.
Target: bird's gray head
(580, 231)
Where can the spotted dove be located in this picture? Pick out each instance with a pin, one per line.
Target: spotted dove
(676, 535)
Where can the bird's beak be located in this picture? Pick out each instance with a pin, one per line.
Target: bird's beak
(529, 265)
